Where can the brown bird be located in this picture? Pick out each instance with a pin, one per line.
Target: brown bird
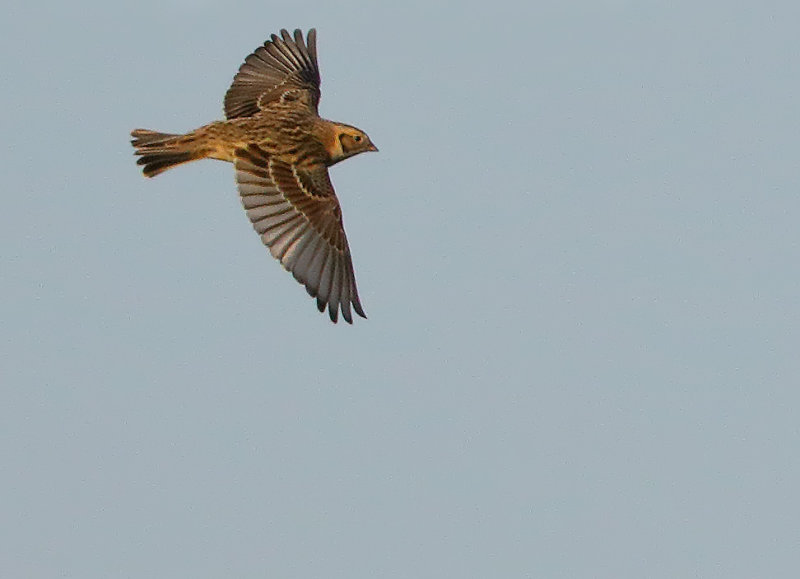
(281, 150)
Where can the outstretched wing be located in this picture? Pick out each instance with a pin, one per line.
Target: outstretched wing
(297, 215)
(281, 65)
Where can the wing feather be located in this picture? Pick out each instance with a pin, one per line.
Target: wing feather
(282, 64)
(297, 215)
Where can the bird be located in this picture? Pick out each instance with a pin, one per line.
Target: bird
(281, 150)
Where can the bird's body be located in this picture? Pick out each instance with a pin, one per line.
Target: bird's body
(281, 149)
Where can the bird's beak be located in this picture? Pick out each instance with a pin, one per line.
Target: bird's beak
(372, 148)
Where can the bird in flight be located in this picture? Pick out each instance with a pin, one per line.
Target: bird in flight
(281, 150)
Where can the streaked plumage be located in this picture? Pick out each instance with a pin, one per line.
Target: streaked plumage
(281, 150)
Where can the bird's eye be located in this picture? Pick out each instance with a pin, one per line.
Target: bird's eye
(357, 138)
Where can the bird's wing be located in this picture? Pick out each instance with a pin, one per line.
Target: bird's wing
(297, 215)
(281, 66)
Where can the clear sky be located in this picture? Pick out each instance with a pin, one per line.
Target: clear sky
(578, 250)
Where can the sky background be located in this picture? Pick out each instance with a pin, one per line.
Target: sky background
(578, 250)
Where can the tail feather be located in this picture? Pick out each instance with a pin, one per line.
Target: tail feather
(161, 151)
(143, 137)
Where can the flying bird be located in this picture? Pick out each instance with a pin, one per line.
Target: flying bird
(281, 150)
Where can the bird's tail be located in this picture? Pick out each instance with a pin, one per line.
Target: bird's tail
(161, 151)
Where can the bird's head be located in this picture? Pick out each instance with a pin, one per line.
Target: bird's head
(349, 141)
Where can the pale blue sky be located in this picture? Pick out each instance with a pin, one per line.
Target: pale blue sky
(578, 249)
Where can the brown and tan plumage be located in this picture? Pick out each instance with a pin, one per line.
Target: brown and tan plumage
(281, 150)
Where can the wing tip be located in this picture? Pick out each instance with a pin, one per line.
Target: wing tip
(333, 313)
(359, 310)
(334, 309)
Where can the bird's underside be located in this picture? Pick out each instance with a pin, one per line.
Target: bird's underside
(281, 150)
